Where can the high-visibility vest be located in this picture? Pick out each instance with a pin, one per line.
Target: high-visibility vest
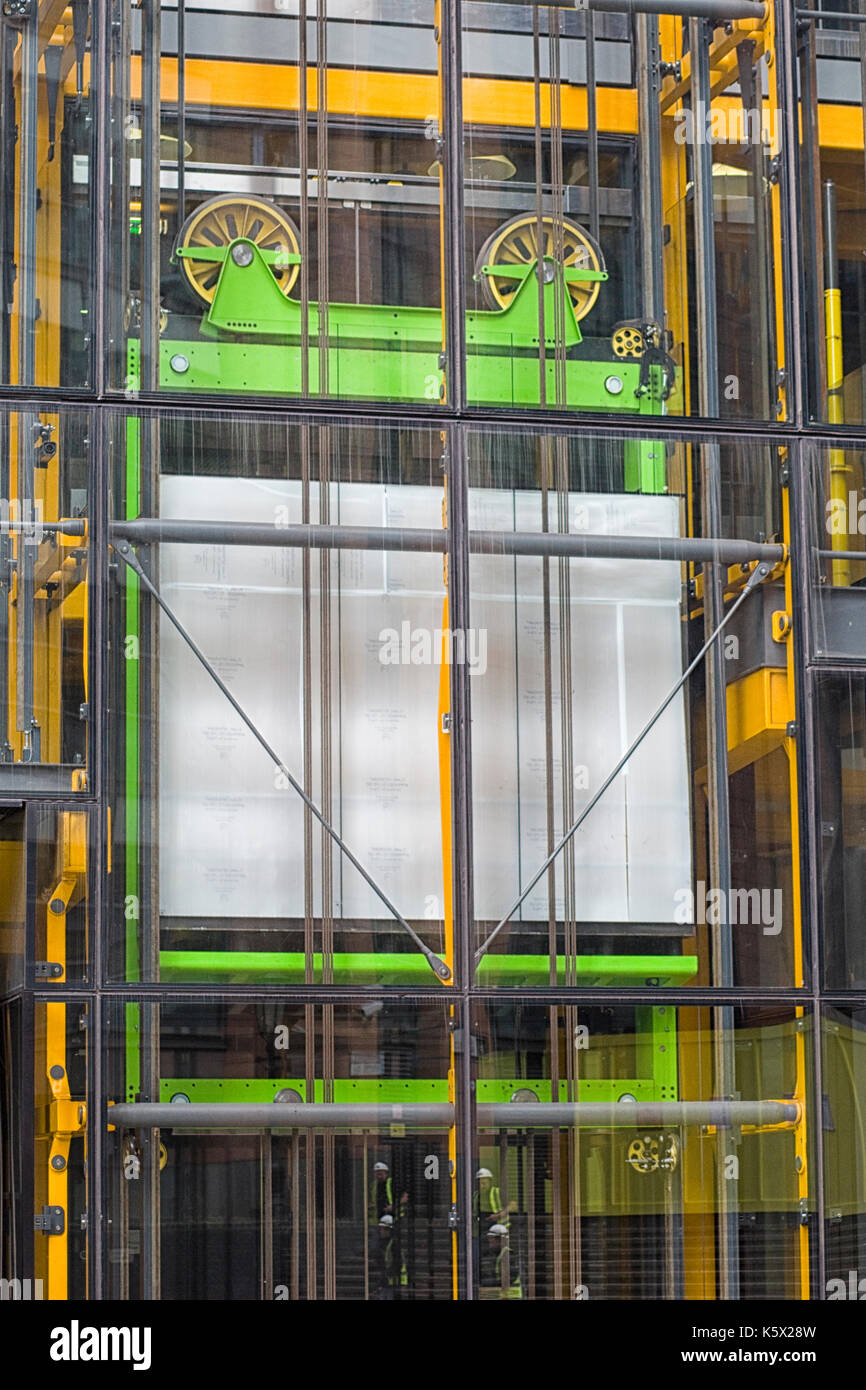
(390, 1262)
(514, 1289)
(373, 1204)
(493, 1197)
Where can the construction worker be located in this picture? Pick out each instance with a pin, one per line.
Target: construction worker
(500, 1276)
(393, 1264)
(487, 1201)
(381, 1195)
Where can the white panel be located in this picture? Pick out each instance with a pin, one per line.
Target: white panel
(231, 839)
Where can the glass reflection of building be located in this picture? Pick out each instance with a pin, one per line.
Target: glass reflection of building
(397, 402)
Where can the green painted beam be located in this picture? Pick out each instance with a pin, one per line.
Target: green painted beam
(287, 967)
(389, 1091)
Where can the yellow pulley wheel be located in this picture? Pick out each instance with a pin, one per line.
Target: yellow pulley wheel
(220, 221)
(628, 341)
(516, 243)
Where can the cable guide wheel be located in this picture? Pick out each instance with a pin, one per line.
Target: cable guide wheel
(516, 243)
(220, 221)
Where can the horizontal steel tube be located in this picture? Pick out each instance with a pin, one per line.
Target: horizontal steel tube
(635, 1115)
(830, 14)
(150, 530)
(279, 1115)
(440, 1115)
(700, 9)
(842, 554)
(50, 528)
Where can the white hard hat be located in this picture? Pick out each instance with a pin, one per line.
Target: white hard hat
(380, 1168)
(498, 1230)
(388, 1220)
(484, 1173)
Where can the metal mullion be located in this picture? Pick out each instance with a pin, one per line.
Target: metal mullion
(27, 1116)
(459, 593)
(96, 597)
(100, 283)
(592, 123)
(716, 692)
(806, 699)
(150, 192)
(649, 92)
(812, 285)
(97, 1252)
(454, 252)
(792, 251)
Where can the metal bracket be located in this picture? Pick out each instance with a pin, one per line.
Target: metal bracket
(52, 1222)
(47, 970)
(18, 11)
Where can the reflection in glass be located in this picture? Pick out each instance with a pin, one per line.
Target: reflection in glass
(686, 1200)
(356, 1211)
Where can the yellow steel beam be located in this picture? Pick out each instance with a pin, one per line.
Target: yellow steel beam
(723, 61)
(486, 101)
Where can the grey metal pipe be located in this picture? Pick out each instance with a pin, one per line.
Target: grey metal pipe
(50, 528)
(635, 1115)
(440, 1115)
(831, 252)
(699, 9)
(151, 530)
(279, 1115)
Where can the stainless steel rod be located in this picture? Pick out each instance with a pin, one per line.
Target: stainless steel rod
(151, 530)
(279, 1115)
(701, 9)
(440, 1115)
(635, 1115)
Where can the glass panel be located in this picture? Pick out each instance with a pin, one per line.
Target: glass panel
(630, 159)
(585, 629)
(844, 1139)
(61, 850)
(352, 1210)
(47, 114)
(14, 1155)
(841, 758)
(838, 526)
(305, 564)
(831, 63)
(267, 245)
(695, 1197)
(13, 899)
(45, 511)
(59, 1172)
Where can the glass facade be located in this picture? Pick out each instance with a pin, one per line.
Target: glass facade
(432, 703)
